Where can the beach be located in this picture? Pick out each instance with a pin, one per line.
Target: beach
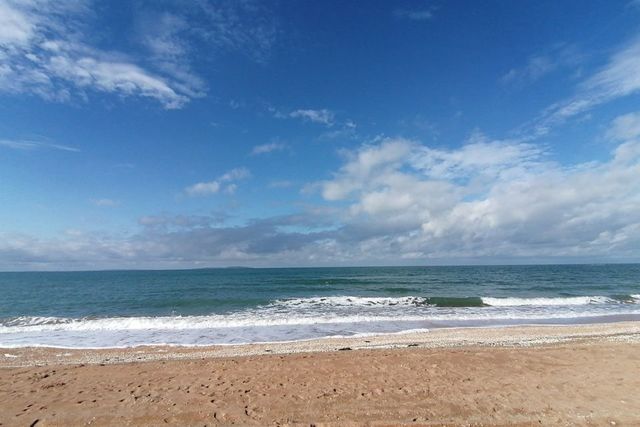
(522, 375)
(319, 213)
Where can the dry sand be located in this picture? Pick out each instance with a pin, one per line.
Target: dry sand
(553, 375)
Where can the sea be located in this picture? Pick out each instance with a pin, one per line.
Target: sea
(108, 309)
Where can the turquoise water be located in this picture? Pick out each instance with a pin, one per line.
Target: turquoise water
(223, 306)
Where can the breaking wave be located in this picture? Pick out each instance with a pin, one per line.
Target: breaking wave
(356, 301)
(311, 317)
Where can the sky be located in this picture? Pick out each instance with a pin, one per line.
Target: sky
(172, 134)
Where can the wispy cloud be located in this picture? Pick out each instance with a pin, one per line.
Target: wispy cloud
(225, 183)
(45, 53)
(323, 116)
(267, 148)
(174, 32)
(166, 38)
(341, 131)
(423, 14)
(620, 77)
(46, 49)
(15, 27)
(203, 188)
(537, 66)
(248, 27)
(625, 127)
(542, 64)
(34, 145)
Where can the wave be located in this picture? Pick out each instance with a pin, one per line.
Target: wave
(359, 301)
(188, 322)
(177, 324)
(509, 310)
(455, 302)
(514, 302)
(348, 301)
(35, 321)
(343, 310)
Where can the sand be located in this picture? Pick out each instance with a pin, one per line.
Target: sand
(552, 375)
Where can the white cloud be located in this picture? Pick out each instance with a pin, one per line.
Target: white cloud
(235, 174)
(117, 77)
(44, 51)
(620, 77)
(626, 127)
(323, 116)
(396, 201)
(15, 27)
(267, 148)
(363, 165)
(224, 183)
(336, 129)
(479, 156)
(34, 145)
(488, 198)
(203, 188)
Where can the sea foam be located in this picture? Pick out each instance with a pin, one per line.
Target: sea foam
(513, 302)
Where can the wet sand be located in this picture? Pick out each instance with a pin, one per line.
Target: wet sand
(552, 375)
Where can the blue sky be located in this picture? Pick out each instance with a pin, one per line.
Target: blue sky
(296, 133)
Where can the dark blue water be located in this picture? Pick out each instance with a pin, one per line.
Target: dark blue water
(125, 308)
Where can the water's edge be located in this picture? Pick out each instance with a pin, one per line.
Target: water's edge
(206, 307)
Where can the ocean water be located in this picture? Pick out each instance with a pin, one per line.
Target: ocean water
(226, 306)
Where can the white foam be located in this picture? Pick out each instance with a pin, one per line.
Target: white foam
(301, 318)
(37, 320)
(245, 321)
(349, 301)
(375, 334)
(514, 302)
(322, 310)
(359, 301)
(194, 322)
(125, 338)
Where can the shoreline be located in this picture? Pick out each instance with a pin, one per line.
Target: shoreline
(441, 338)
(509, 376)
